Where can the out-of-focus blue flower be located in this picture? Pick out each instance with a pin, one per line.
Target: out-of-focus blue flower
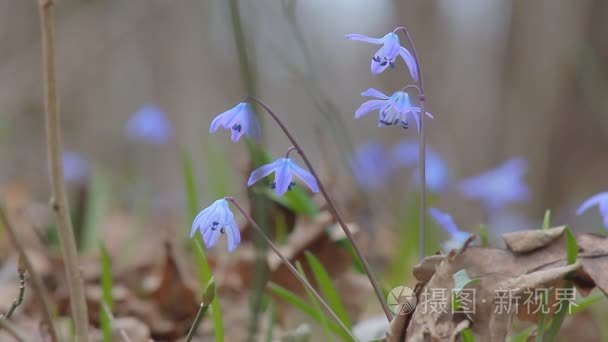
(215, 220)
(284, 169)
(405, 154)
(601, 200)
(498, 187)
(150, 125)
(393, 110)
(445, 221)
(239, 120)
(386, 55)
(75, 167)
(371, 166)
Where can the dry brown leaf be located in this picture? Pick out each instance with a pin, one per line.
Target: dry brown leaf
(528, 240)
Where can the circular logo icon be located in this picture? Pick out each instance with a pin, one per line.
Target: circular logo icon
(401, 300)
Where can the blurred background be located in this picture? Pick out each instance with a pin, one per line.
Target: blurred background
(503, 79)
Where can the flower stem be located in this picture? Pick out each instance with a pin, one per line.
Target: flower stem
(38, 287)
(59, 200)
(208, 296)
(421, 148)
(333, 209)
(291, 268)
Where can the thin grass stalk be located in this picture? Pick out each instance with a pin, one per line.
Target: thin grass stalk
(59, 200)
(290, 267)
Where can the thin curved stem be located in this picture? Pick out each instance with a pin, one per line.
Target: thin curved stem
(291, 268)
(333, 209)
(421, 147)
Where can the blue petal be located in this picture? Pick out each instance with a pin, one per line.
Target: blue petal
(409, 61)
(304, 175)
(378, 67)
(233, 235)
(375, 93)
(444, 220)
(224, 119)
(263, 171)
(282, 177)
(362, 38)
(368, 106)
(593, 201)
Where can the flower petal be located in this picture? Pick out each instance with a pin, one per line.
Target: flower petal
(224, 119)
(233, 235)
(305, 176)
(375, 93)
(444, 220)
(368, 106)
(282, 177)
(362, 38)
(263, 171)
(597, 199)
(378, 67)
(409, 61)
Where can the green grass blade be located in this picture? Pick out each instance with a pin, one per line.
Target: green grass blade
(585, 303)
(327, 288)
(205, 273)
(467, 335)
(317, 305)
(97, 200)
(272, 307)
(106, 294)
(524, 335)
(547, 220)
(571, 246)
(558, 318)
(305, 308)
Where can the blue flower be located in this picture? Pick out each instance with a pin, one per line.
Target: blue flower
(371, 166)
(386, 55)
(405, 154)
(601, 200)
(239, 120)
(149, 124)
(75, 167)
(445, 221)
(498, 187)
(284, 169)
(393, 110)
(215, 220)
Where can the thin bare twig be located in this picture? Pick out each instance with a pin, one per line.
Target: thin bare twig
(17, 302)
(6, 325)
(37, 285)
(59, 200)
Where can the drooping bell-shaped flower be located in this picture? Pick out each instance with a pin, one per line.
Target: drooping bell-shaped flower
(393, 110)
(284, 169)
(214, 221)
(387, 54)
(239, 120)
(601, 201)
(498, 187)
(445, 221)
(150, 125)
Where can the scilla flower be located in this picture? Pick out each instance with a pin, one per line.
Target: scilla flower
(239, 120)
(405, 154)
(498, 187)
(445, 221)
(393, 110)
(216, 220)
(284, 169)
(371, 166)
(149, 124)
(601, 200)
(386, 55)
(76, 169)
